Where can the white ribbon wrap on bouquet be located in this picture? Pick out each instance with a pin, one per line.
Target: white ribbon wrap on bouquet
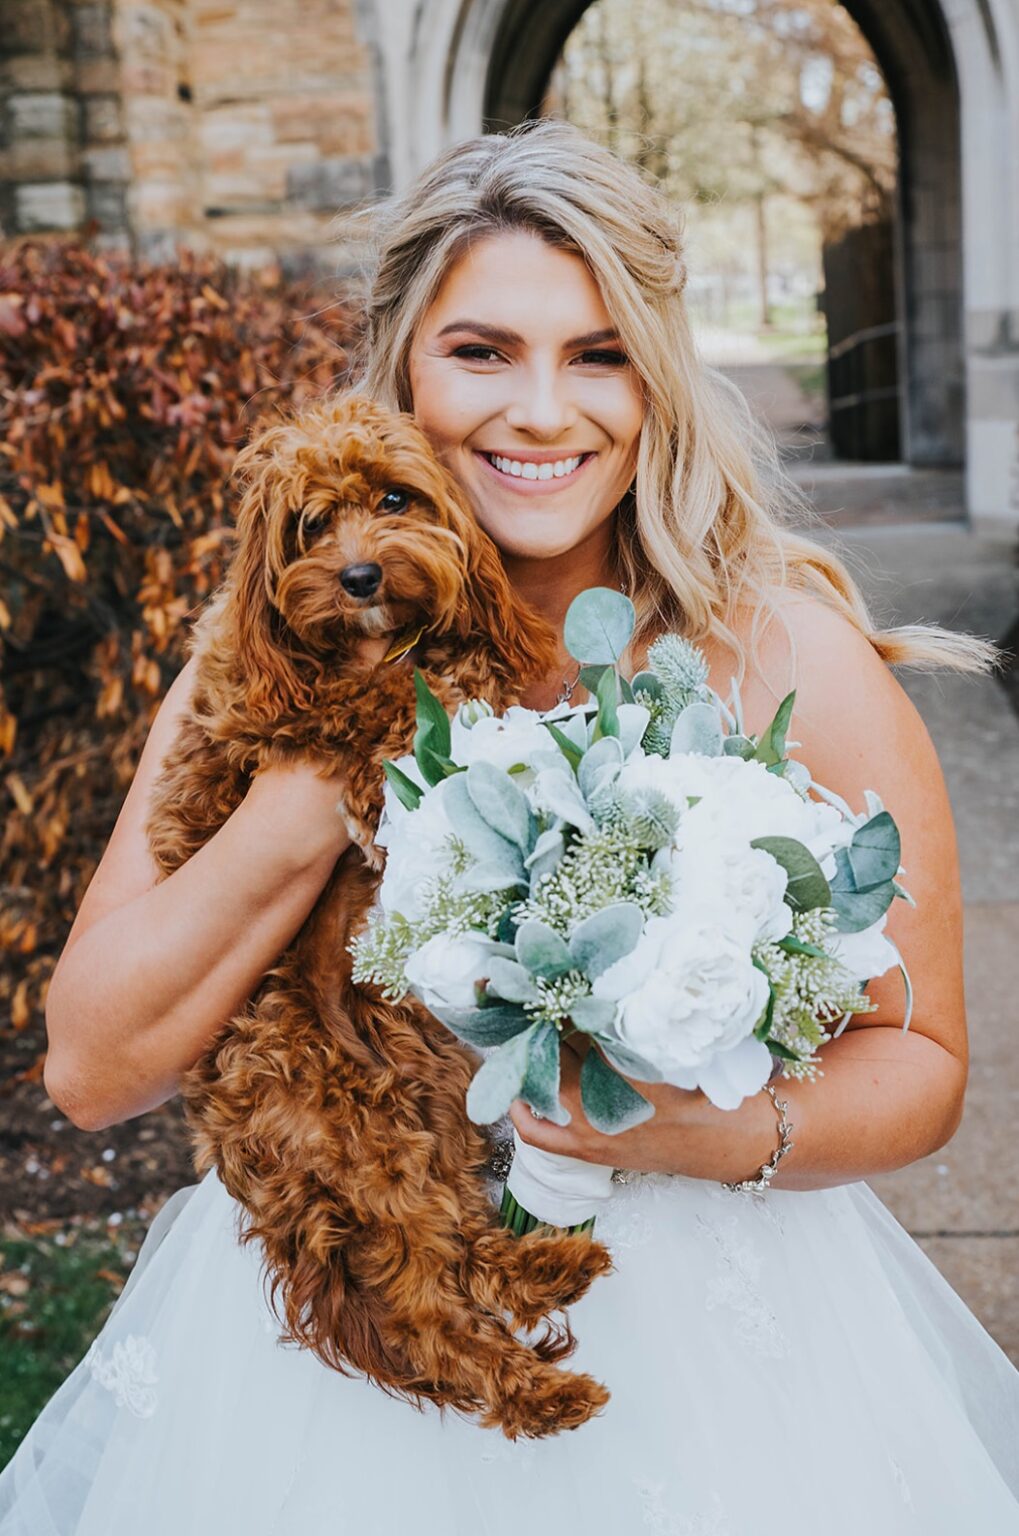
(560, 1190)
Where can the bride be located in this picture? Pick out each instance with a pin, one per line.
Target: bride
(786, 1361)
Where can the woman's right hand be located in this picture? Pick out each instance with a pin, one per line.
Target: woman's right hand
(153, 968)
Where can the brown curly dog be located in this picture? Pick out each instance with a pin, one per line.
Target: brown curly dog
(337, 1119)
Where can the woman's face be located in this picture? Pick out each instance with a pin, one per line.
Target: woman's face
(518, 381)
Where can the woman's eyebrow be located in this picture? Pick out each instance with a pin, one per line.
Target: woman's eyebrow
(510, 338)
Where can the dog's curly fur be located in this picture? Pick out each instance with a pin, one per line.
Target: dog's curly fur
(336, 1118)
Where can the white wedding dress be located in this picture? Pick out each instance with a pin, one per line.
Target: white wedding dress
(786, 1365)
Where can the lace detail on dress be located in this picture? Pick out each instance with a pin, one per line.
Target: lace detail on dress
(658, 1518)
(900, 1482)
(736, 1284)
(129, 1372)
(627, 1221)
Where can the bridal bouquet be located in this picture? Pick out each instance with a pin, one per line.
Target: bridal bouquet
(638, 868)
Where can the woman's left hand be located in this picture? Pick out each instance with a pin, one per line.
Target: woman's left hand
(687, 1134)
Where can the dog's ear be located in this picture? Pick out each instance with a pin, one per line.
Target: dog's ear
(272, 684)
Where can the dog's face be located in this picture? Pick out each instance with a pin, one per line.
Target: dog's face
(350, 526)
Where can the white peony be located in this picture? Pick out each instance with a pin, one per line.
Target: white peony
(866, 954)
(443, 971)
(688, 994)
(418, 844)
(745, 887)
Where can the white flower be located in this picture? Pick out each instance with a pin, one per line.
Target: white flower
(503, 740)
(443, 971)
(688, 995)
(743, 886)
(418, 844)
(866, 954)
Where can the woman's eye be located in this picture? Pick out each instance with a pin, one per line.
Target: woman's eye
(611, 359)
(394, 501)
(473, 351)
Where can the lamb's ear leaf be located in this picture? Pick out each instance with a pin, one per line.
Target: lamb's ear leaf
(499, 1079)
(628, 1062)
(875, 851)
(592, 1015)
(601, 761)
(481, 839)
(598, 626)
(738, 746)
(697, 729)
(541, 951)
(610, 1103)
(432, 721)
(509, 980)
(606, 936)
(493, 1025)
(541, 1080)
(771, 747)
(498, 800)
(407, 792)
(806, 886)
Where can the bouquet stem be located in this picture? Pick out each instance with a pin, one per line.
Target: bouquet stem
(520, 1221)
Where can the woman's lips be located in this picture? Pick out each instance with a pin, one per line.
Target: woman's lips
(523, 487)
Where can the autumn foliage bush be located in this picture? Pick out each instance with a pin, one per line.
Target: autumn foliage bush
(126, 390)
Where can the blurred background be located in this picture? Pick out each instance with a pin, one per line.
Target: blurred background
(173, 263)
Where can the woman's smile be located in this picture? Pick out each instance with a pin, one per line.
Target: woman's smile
(532, 475)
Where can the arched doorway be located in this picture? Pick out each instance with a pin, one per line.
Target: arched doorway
(912, 46)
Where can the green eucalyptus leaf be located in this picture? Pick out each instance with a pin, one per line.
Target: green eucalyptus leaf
(771, 747)
(499, 1079)
(541, 951)
(781, 1051)
(626, 691)
(856, 910)
(509, 980)
(605, 937)
(432, 721)
(794, 946)
(599, 623)
(806, 887)
(610, 1103)
(697, 729)
(875, 851)
(541, 1081)
(493, 1025)
(608, 702)
(592, 676)
(648, 683)
(568, 748)
(407, 792)
(498, 800)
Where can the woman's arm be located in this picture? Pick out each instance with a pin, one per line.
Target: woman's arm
(152, 969)
(886, 1097)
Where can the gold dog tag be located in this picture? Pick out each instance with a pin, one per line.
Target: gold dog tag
(405, 643)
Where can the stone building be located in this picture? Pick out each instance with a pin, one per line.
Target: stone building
(243, 126)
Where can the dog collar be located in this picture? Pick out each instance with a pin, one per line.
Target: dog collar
(405, 643)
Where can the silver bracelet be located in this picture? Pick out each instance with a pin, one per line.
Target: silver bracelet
(767, 1170)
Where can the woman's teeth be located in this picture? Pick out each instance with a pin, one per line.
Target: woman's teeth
(530, 471)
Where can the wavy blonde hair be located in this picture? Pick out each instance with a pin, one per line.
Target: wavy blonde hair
(706, 527)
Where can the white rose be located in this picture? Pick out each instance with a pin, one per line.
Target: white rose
(418, 849)
(502, 740)
(687, 995)
(866, 954)
(443, 971)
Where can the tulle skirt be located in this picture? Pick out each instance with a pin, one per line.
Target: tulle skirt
(783, 1366)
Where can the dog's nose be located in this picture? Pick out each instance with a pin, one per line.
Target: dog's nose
(361, 580)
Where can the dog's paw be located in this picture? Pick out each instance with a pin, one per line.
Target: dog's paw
(363, 834)
(550, 1402)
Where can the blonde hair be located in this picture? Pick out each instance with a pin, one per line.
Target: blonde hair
(706, 526)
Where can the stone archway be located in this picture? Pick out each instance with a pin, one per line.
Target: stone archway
(952, 68)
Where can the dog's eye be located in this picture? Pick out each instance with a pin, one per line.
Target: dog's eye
(394, 501)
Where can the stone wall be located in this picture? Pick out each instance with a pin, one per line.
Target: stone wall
(238, 126)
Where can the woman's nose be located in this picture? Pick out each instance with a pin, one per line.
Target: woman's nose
(542, 406)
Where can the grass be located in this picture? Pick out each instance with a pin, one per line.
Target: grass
(54, 1298)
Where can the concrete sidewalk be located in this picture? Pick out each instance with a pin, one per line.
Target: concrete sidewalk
(962, 1204)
